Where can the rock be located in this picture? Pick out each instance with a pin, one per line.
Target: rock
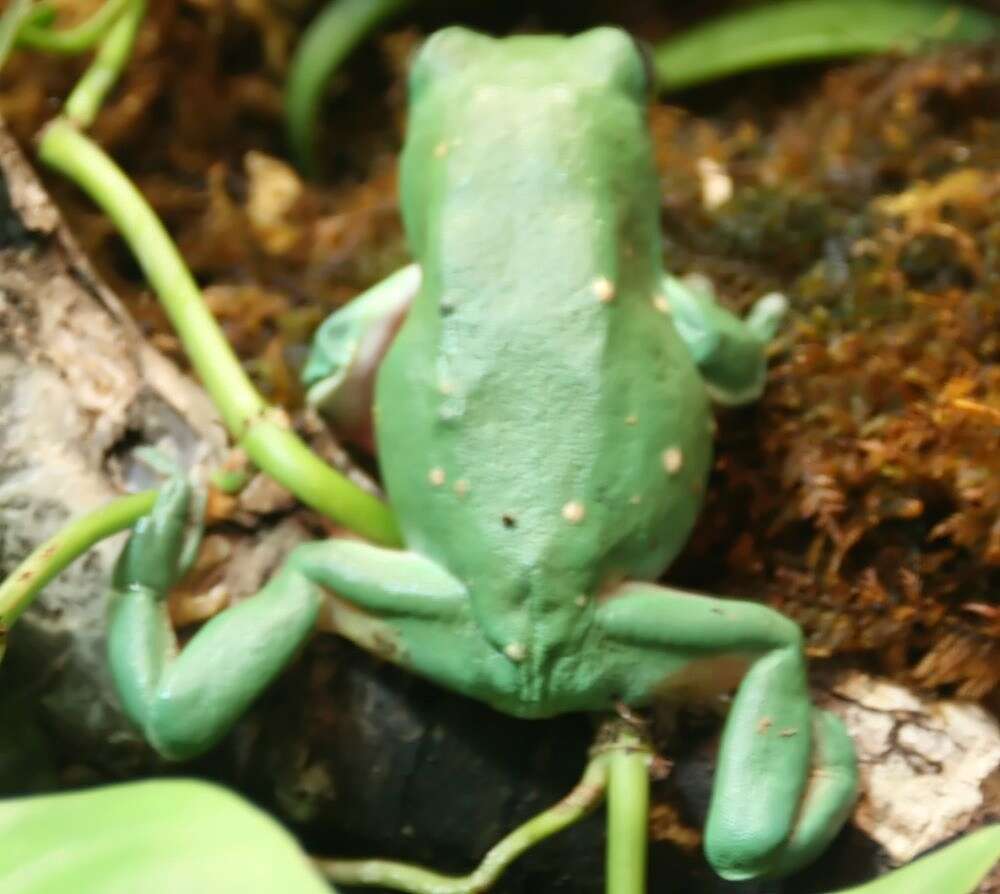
(925, 763)
(930, 768)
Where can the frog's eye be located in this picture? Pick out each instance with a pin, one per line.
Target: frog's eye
(445, 53)
(617, 59)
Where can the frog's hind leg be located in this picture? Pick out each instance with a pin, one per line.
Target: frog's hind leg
(185, 700)
(786, 776)
(347, 349)
(396, 603)
(410, 611)
(729, 352)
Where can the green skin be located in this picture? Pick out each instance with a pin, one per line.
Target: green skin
(543, 427)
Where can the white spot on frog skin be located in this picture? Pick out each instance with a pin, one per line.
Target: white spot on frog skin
(580, 600)
(574, 512)
(661, 303)
(436, 476)
(446, 388)
(461, 487)
(441, 149)
(632, 420)
(673, 459)
(515, 651)
(604, 289)
(635, 499)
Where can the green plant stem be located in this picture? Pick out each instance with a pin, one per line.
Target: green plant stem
(628, 811)
(14, 19)
(41, 14)
(18, 17)
(67, 150)
(799, 30)
(328, 40)
(73, 40)
(267, 440)
(619, 765)
(281, 453)
(583, 799)
(21, 586)
(113, 54)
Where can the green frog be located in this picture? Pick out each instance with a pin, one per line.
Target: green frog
(538, 391)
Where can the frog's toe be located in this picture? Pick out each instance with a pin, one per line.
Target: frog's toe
(152, 556)
(767, 315)
(742, 853)
(829, 795)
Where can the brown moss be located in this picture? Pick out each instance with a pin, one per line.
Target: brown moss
(865, 485)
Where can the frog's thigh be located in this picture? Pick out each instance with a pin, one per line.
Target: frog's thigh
(408, 610)
(729, 352)
(185, 699)
(786, 777)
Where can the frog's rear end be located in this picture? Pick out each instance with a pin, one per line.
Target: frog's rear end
(543, 432)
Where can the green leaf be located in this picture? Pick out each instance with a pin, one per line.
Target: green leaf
(955, 869)
(799, 30)
(162, 837)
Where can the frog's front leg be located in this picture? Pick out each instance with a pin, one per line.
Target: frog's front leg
(786, 776)
(348, 348)
(729, 352)
(393, 602)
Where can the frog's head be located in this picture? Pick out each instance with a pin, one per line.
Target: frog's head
(507, 120)
(602, 59)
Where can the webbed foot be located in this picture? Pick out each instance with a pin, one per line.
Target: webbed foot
(786, 777)
(185, 700)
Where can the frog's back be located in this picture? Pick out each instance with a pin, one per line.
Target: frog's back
(542, 429)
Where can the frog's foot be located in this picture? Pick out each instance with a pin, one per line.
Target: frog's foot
(786, 777)
(730, 353)
(184, 701)
(348, 348)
